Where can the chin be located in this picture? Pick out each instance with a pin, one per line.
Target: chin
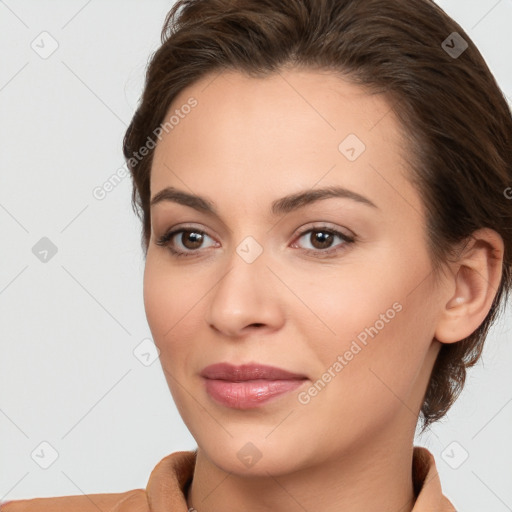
(256, 453)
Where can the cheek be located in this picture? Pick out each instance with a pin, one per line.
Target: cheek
(379, 321)
(353, 307)
(172, 310)
(170, 304)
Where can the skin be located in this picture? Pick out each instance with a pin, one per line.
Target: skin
(248, 142)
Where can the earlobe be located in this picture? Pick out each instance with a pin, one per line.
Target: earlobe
(476, 278)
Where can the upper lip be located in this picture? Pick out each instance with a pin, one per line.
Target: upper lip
(252, 371)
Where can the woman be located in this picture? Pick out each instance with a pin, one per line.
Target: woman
(324, 194)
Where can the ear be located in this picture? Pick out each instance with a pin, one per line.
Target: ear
(471, 289)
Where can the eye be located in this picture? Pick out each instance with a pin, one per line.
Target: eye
(190, 239)
(186, 241)
(322, 238)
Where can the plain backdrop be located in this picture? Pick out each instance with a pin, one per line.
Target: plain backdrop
(75, 393)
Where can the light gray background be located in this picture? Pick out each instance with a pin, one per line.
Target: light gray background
(69, 327)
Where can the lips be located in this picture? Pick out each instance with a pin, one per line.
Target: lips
(249, 385)
(226, 371)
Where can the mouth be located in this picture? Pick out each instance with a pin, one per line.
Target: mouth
(248, 386)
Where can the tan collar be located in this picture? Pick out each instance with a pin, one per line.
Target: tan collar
(427, 486)
(174, 473)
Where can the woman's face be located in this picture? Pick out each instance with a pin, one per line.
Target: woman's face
(337, 290)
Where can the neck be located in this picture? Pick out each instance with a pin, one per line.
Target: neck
(376, 476)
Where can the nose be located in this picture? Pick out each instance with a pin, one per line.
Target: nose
(244, 299)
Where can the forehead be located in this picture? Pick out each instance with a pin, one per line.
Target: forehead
(279, 133)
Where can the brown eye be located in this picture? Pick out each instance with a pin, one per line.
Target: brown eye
(321, 241)
(184, 242)
(191, 239)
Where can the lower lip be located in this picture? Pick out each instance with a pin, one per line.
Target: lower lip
(248, 394)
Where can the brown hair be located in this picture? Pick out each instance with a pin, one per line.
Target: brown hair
(457, 121)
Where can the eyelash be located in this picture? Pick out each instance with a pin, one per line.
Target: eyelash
(165, 240)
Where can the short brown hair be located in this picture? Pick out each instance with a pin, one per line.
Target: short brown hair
(456, 118)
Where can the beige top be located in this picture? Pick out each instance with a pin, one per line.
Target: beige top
(167, 484)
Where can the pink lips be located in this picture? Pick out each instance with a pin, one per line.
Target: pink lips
(248, 386)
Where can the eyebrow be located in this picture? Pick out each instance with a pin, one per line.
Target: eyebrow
(279, 206)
